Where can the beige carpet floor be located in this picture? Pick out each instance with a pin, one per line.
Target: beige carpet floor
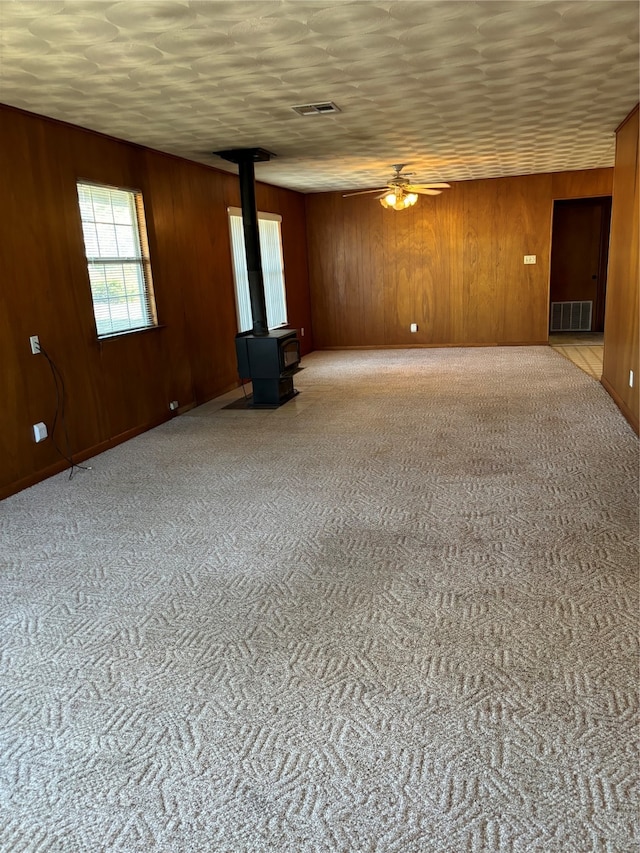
(398, 614)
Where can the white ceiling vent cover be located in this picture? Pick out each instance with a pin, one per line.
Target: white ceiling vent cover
(316, 109)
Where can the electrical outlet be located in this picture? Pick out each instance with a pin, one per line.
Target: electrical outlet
(302, 332)
(414, 327)
(34, 342)
(40, 432)
(173, 405)
(631, 379)
(530, 259)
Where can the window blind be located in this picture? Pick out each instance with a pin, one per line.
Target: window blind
(117, 258)
(272, 270)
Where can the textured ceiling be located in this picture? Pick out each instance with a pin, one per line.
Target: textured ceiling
(457, 90)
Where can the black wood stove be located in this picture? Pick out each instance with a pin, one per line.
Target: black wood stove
(270, 362)
(268, 358)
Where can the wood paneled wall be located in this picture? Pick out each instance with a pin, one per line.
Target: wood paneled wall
(120, 386)
(621, 344)
(453, 264)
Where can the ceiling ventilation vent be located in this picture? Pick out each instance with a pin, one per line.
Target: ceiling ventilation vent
(316, 109)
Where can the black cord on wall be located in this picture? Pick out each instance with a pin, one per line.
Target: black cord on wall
(60, 415)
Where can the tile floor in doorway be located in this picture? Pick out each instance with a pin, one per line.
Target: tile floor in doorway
(584, 349)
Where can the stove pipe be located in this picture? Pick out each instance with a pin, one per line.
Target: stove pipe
(245, 158)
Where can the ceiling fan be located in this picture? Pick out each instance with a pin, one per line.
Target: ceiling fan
(400, 193)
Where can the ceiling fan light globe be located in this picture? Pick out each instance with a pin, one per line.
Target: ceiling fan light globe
(391, 199)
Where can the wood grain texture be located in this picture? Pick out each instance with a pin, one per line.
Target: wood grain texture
(621, 343)
(116, 387)
(453, 264)
(582, 184)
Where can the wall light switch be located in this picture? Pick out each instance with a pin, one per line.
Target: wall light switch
(414, 327)
(631, 377)
(40, 431)
(530, 259)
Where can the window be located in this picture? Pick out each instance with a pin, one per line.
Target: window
(115, 241)
(272, 269)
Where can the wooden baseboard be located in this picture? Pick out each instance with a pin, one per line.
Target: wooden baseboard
(89, 452)
(32, 479)
(79, 457)
(620, 403)
(186, 408)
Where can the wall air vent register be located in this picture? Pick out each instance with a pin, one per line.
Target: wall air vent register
(571, 316)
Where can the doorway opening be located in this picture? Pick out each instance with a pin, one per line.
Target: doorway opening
(579, 254)
(578, 280)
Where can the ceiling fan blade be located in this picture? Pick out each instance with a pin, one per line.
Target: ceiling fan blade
(420, 191)
(430, 186)
(362, 192)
